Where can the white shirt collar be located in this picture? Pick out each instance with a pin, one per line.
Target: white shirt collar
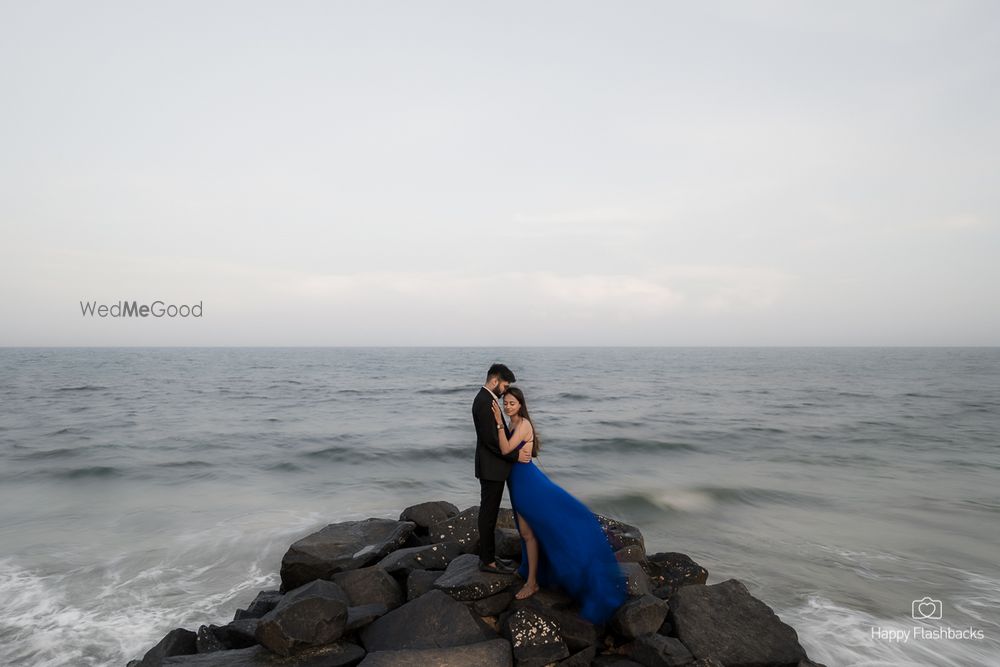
(491, 393)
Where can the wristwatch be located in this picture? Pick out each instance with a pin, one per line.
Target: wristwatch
(499, 426)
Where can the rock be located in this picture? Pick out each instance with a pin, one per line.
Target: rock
(359, 617)
(639, 616)
(465, 582)
(535, 638)
(427, 514)
(238, 634)
(310, 615)
(176, 642)
(462, 528)
(339, 654)
(263, 603)
(420, 581)
(431, 557)
(508, 543)
(493, 653)
(433, 620)
(340, 547)
(725, 622)
(621, 535)
(633, 553)
(207, 641)
(669, 571)
(614, 661)
(580, 659)
(493, 605)
(370, 585)
(706, 662)
(654, 650)
(638, 581)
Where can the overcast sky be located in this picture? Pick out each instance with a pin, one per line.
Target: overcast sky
(505, 173)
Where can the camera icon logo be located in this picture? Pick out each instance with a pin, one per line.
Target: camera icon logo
(926, 607)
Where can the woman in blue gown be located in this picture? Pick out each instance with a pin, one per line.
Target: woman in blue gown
(562, 544)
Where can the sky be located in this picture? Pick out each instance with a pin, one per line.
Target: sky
(487, 174)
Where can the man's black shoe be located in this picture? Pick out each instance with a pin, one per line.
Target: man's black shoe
(499, 569)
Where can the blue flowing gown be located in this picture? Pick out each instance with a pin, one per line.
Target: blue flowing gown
(573, 552)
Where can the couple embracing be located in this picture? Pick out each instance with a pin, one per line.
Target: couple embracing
(562, 544)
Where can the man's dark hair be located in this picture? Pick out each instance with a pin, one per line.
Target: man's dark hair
(502, 372)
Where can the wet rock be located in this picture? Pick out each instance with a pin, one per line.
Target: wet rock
(339, 654)
(639, 616)
(207, 641)
(370, 585)
(725, 622)
(359, 617)
(621, 535)
(580, 659)
(340, 547)
(433, 620)
(427, 514)
(535, 638)
(176, 642)
(420, 582)
(631, 554)
(637, 583)
(263, 603)
(493, 605)
(238, 634)
(669, 571)
(430, 557)
(308, 616)
(494, 653)
(654, 650)
(465, 582)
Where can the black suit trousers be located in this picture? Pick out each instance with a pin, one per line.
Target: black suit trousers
(491, 492)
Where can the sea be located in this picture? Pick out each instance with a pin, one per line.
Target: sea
(856, 491)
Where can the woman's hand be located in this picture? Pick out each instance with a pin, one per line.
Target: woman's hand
(496, 413)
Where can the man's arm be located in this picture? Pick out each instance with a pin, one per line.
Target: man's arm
(486, 429)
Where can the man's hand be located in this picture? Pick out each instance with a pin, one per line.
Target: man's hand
(524, 456)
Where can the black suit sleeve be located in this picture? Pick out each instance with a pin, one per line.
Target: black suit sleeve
(486, 429)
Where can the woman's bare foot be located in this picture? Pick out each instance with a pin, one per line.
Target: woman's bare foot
(527, 591)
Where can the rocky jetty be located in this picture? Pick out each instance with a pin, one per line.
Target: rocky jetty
(387, 593)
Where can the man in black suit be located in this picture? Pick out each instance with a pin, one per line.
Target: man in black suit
(492, 466)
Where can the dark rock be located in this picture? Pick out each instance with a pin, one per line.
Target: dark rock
(621, 535)
(238, 634)
(669, 571)
(462, 528)
(340, 547)
(430, 557)
(580, 659)
(633, 553)
(639, 616)
(421, 581)
(433, 620)
(638, 581)
(359, 617)
(427, 514)
(508, 543)
(339, 654)
(370, 585)
(655, 650)
(493, 653)
(535, 638)
(176, 642)
(493, 605)
(706, 662)
(614, 661)
(725, 622)
(263, 603)
(465, 582)
(207, 641)
(310, 615)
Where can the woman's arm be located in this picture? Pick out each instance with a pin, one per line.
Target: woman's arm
(507, 445)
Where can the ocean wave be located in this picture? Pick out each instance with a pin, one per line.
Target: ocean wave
(632, 445)
(84, 387)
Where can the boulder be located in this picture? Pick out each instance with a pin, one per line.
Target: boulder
(427, 514)
(340, 547)
(431, 557)
(639, 616)
(535, 638)
(465, 582)
(621, 535)
(493, 653)
(433, 620)
(370, 585)
(339, 654)
(176, 642)
(725, 622)
(669, 571)
(421, 581)
(263, 603)
(654, 650)
(637, 583)
(207, 641)
(307, 616)
(359, 617)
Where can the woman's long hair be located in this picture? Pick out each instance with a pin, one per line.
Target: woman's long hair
(523, 413)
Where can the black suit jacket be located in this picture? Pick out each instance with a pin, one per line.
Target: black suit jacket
(490, 463)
